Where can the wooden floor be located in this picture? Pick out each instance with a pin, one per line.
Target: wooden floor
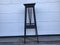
(6, 43)
(43, 40)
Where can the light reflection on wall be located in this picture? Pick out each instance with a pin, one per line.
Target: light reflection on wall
(12, 17)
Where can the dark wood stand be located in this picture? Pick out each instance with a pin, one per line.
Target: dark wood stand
(30, 25)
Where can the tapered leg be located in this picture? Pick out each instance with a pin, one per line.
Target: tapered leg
(35, 25)
(25, 25)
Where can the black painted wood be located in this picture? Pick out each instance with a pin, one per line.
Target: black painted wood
(30, 25)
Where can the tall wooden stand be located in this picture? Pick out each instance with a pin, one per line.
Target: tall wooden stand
(30, 13)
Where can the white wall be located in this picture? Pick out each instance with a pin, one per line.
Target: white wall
(12, 17)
